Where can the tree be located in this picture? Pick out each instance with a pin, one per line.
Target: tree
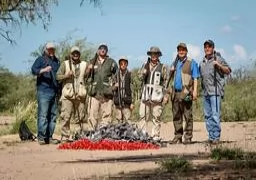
(13, 13)
(64, 46)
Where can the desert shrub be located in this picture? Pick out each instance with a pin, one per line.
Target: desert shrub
(175, 164)
(27, 112)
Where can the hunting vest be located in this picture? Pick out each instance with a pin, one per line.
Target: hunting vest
(74, 87)
(187, 82)
(101, 83)
(153, 87)
(123, 96)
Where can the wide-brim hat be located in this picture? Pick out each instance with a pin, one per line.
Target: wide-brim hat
(123, 58)
(154, 49)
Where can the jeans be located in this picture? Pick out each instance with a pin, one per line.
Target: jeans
(47, 114)
(212, 116)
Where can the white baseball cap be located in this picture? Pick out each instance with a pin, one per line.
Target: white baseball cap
(50, 45)
(75, 48)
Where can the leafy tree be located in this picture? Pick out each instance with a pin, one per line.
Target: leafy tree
(13, 13)
(64, 46)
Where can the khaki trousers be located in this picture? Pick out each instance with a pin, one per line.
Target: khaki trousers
(126, 112)
(69, 109)
(100, 112)
(156, 111)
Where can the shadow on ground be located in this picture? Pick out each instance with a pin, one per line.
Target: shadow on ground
(216, 171)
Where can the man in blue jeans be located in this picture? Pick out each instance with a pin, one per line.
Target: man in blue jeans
(213, 69)
(45, 68)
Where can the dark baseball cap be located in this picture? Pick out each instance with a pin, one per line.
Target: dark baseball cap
(209, 42)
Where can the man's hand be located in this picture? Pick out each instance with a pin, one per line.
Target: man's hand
(132, 106)
(217, 63)
(90, 66)
(194, 96)
(115, 87)
(166, 99)
(46, 69)
(70, 74)
(172, 68)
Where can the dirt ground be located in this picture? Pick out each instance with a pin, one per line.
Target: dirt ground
(24, 161)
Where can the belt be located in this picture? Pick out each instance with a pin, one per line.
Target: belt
(176, 90)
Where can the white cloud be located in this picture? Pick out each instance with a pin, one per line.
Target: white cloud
(194, 51)
(226, 29)
(240, 52)
(235, 18)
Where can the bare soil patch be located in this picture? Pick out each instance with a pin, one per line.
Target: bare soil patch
(32, 161)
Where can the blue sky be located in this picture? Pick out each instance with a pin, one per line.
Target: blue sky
(130, 27)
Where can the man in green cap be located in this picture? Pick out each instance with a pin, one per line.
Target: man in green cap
(184, 91)
(72, 73)
(153, 75)
(100, 74)
(123, 92)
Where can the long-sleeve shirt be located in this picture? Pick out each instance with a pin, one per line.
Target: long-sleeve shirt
(46, 82)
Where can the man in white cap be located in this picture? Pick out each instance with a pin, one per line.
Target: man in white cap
(153, 74)
(72, 74)
(123, 92)
(100, 72)
(45, 68)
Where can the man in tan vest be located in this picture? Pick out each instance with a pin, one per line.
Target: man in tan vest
(154, 76)
(72, 75)
(184, 91)
(100, 73)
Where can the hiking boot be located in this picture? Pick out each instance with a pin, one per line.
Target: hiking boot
(65, 139)
(54, 141)
(156, 139)
(215, 142)
(187, 141)
(176, 140)
(41, 142)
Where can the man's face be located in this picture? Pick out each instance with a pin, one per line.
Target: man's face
(154, 57)
(182, 52)
(102, 51)
(123, 65)
(208, 49)
(51, 52)
(75, 55)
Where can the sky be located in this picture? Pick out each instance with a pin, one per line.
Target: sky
(130, 27)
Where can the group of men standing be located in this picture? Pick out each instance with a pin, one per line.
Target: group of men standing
(102, 84)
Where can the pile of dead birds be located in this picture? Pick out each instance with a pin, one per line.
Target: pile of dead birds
(121, 131)
(114, 137)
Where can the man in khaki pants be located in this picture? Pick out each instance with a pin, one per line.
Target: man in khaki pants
(123, 92)
(100, 74)
(154, 77)
(72, 74)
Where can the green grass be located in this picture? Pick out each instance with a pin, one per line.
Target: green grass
(241, 159)
(176, 165)
(222, 153)
(27, 112)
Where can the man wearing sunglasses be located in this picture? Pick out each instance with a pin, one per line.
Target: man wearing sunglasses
(213, 69)
(100, 73)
